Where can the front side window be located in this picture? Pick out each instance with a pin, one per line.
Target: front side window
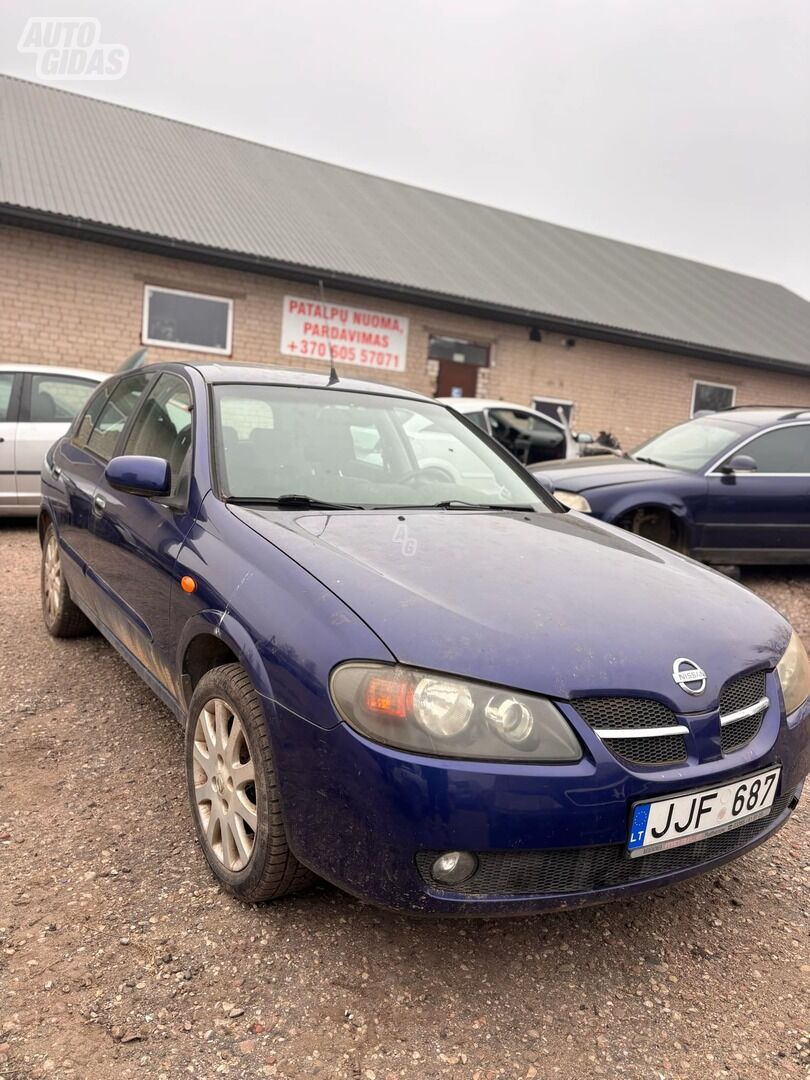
(6, 386)
(57, 399)
(359, 449)
(711, 397)
(117, 409)
(186, 320)
(786, 450)
(691, 445)
(162, 428)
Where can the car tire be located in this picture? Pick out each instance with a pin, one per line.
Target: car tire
(235, 799)
(63, 619)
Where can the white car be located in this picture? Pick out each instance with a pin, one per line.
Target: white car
(37, 404)
(528, 435)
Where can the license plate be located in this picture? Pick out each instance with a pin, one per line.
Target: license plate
(666, 823)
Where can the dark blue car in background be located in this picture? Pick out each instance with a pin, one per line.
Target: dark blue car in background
(441, 696)
(729, 488)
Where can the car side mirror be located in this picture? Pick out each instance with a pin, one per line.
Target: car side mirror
(584, 437)
(138, 475)
(738, 464)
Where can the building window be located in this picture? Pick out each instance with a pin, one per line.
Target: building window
(460, 352)
(552, 407)
(185, 320)
(711, 397)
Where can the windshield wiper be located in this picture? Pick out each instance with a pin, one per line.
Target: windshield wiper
(294, 502)
(457, 504)
(460, 504)
(649, 461)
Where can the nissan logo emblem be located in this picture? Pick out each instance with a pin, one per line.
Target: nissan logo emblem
(688, 675)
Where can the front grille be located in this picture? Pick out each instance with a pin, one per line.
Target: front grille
(736, 736)
(740, 693)
(616, 713)
(585, 869)
(624, 712)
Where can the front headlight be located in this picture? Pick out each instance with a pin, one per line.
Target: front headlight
(794, 674)
(573, 501)
(440, 714)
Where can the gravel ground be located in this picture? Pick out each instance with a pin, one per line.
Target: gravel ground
(120, 957)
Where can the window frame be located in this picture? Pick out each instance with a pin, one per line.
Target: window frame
(15, 397)
(720, 386)
(28, 395)
(554, 401)
(715, 470)
(161, 343)
(487, 345)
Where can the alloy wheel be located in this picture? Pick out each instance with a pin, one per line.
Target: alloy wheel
(224, 785)
(52, 579)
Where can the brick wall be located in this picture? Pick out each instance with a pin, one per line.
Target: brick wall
(66, 301)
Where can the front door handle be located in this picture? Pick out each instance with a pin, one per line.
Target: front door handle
(99, 504)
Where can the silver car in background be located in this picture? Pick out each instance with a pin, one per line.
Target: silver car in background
(37, 404)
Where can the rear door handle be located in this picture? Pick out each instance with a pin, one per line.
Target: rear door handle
(99, 504)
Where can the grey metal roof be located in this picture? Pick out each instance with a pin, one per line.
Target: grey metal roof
(85, 161)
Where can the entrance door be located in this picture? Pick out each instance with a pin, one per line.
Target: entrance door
(456, 380)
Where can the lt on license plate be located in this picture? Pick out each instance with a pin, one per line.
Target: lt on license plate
(669, 823)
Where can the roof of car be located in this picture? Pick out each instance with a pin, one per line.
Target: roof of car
(758, 415)
(274, 376)
(473, 404)
(38, 369)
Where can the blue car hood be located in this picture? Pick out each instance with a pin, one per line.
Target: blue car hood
(559, 604)
(585, 474)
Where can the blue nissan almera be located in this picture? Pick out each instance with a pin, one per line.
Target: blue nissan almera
(451, 696)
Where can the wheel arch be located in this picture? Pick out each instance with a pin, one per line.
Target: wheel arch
(675, 511)
(213, 638)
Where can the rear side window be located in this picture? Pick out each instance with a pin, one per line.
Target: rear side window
(118, 408)
(6, 385)
(786, 450)
(57, 399)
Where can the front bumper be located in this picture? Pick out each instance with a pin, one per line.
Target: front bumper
(371, 819)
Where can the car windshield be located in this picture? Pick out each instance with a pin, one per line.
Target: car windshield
(690, 446)
(355, 449)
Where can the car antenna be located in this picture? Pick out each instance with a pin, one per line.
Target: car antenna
(333, 375)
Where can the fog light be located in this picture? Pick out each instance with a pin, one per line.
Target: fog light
(454, 867)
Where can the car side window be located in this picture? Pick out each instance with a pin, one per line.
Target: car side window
(6, 386)
(117, 409)
(57, 399)
(785, 450)
(162, 428)
(87, 419)
(476, 418)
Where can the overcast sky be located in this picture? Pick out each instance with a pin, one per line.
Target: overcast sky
(682, 125)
